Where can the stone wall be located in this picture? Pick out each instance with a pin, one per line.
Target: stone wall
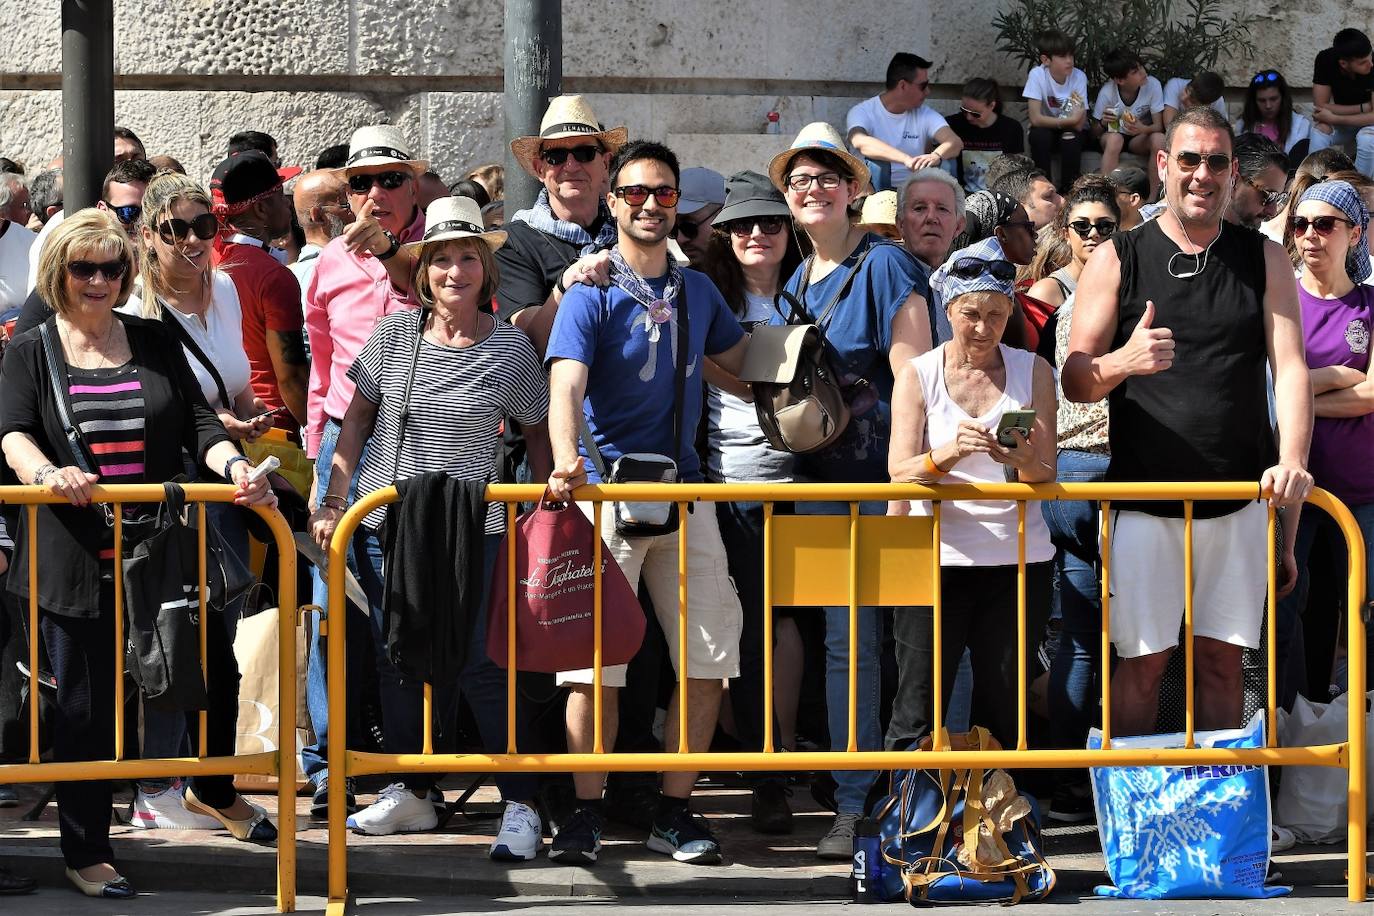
(696, 74)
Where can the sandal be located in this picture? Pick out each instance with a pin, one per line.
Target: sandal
(254, 829)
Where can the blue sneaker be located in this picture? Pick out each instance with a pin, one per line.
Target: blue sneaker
(579, 840)
(686, 836)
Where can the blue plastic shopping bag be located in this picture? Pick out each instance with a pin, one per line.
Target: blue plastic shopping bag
(1185, 832)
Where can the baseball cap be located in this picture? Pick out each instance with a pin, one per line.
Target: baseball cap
(1131, 179)
(243, 179)
(700, 187)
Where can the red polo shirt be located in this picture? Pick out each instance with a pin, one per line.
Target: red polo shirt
(270, 297)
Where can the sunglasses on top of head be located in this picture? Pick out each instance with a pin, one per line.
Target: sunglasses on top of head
(205, 226)
(583, 154)
(1266, 76)
(86, 270)
(389, 181)
(636, 194)
(1104, 227)
(968, 268)
(1324, 225)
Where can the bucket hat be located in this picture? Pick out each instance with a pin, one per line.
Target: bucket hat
(749, 194)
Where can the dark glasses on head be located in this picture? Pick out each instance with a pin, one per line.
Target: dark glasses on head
(390, 181)
(1266, 76)
(1216, 162)
(86, 270)
(204, 226)
(826, 181)
(968, 268)
(582, 154)
(636, 194)
(743, 228)
(127, 214)
(1104, 227)
(1324, 225)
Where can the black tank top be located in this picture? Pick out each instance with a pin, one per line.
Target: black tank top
(1206, 417)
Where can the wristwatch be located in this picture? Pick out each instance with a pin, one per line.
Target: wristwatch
(390, 252)
(228, 465)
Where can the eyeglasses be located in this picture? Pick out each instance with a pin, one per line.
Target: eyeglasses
(1216, 162)
(1324, 225)
(969, 268)
(636, 194)
(1274, 200)
(743, 228)
(923, 85)
(1265, 76)
(1104, 227)
(389, 181)
(826, 181)
(582, 154)
(85, 271)
(204, 226)
(127, 214)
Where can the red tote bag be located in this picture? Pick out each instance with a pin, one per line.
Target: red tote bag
(553, 596)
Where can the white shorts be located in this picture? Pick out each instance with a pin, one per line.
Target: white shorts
(714, 617)
(1230, 579)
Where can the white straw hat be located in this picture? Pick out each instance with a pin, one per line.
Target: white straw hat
(567, 116)
(380, 144)
(817, 136)
(449, 218)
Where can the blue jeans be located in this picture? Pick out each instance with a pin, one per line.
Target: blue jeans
(1291, 658)
(481, 681)
(1363, 138)
(1074, 529)
(852, 785)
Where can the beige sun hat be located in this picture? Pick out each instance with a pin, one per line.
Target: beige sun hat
(880, 210)
(379, 144)
(449, 218)
(817, 136)
(567, 116)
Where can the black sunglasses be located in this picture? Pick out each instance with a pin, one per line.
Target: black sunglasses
(127, 214)
(205, 226)
(1104, 227)
(968, 268)
(86, 270)
(743, 228)
(390, 181)
(582, 154)
(1023, 223)
(1216, 162)
(636, 194)
(1324, 225)
(1266, 76)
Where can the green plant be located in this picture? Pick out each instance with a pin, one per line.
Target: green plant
(1171, 42)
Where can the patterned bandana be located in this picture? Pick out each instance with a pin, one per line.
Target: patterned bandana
(1342, 196)
(541, 217)
(657, 310)
(946, 287)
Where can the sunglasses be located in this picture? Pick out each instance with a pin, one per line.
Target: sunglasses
(389, 181)
(826, 181)
(1272, 199)
(205, 226)
(1267, 76)
(743, 228)
(582, 154)
(1216, 162)
(1104, 227)
(969, 268)
(128, 214)
(969, 112)
(1324, 225)
(86, 270)
(636, 194)
(1023, 223)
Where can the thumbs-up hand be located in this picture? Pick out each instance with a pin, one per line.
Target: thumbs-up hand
(1150, 349)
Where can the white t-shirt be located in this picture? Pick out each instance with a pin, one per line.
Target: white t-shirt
(220, 337)
(1147, 108)
(53, 222)
(15, 246)
(912, 132)
(1040, 85)
(1173, 95)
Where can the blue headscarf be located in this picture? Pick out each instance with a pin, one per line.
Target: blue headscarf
(946, 287)
(1344, 197)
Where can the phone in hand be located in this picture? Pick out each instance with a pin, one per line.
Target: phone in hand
(1019, 420)
(265, 414)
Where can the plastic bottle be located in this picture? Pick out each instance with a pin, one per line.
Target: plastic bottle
(774, 125)
(868, 862)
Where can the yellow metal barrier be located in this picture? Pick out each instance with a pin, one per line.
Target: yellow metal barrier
(279, 763)
(861, 560)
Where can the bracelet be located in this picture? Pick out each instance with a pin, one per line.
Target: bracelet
(228, 465)
(928, 465)
(390, 252)
(43, 473)
(326, 504)
(559, 285)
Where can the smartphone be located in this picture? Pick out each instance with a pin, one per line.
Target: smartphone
(265, 414)
(1019, 420)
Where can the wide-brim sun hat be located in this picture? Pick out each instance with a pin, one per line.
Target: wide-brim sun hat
(817, 136)
(566, 116)
(379, 144)
(750, 195)
(450, 218)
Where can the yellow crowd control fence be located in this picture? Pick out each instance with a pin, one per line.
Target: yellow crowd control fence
(279, 763)
(862, 560)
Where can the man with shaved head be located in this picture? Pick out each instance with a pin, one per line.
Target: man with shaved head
(321, 202)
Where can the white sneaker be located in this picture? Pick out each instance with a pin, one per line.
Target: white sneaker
(165, 810)
(520, 837)
(396, 810)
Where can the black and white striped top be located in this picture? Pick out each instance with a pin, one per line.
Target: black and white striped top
(458, 402)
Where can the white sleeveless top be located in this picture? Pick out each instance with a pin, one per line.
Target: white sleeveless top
(979, 533)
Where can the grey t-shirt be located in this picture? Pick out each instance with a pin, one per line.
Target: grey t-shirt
(736, 450)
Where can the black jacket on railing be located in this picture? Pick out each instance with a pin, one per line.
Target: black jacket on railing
(176, 417)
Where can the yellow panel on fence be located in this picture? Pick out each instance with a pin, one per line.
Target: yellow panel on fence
(811, 560)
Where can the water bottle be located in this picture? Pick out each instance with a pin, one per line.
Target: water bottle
(868, 862)
(774, 125)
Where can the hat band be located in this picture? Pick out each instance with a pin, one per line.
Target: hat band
(452, 225)
(223, 207)
(570, 127)
(390, 152)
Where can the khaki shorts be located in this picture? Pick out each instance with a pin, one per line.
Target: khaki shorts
(713, 609)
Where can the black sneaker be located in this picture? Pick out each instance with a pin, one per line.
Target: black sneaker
(1072, 803)
(838, 842)
(633, 800)
(8, 797)
(319, 802)
(770, 812)
(686, 836)
(579, 840)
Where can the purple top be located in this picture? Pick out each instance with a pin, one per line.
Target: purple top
(1337, 332)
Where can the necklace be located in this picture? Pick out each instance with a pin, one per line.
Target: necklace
(101, 350)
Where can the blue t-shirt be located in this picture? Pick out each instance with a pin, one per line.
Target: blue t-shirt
(630, 384)
(858, 335)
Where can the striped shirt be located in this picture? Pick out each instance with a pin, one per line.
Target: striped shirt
(107, 406)
(458, 401)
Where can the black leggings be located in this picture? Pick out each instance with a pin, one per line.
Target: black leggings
(1045, 141)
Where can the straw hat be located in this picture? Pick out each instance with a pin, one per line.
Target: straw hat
(449, 218)
(818, 136)
(379, 144)
(567, 116)
(880, 209)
